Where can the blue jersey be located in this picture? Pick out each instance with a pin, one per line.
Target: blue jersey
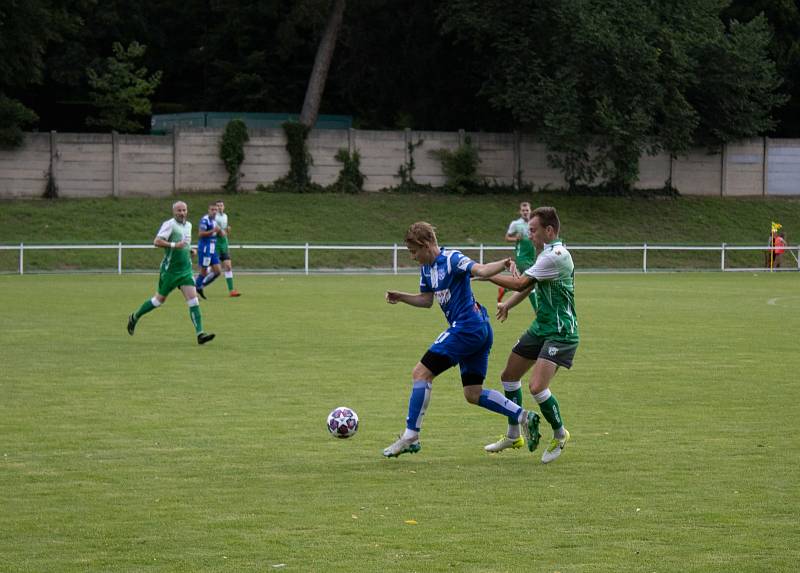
(205, 244)
(448, 279)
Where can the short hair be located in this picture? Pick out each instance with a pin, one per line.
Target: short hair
(219, 201)
(212, 204)
(421, 234)
(548, 217)
(176, 203)
(524, 203)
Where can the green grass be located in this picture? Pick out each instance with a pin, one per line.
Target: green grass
(383, 218)
(152, 453)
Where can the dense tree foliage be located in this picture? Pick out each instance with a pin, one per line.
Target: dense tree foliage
(27, 29)
(601, 81)
(783, 17)
(121, 90)
(625, 76)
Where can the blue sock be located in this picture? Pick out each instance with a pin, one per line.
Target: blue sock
(417, 404)
(198, 281)
(496, 402)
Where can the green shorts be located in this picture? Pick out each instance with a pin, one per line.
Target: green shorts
(534, 347)
(167, 282)
(222, 250)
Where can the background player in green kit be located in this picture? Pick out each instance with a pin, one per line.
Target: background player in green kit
(175, 236)
(222, 247)
(524, 250)
(524, 256)
(552, 339)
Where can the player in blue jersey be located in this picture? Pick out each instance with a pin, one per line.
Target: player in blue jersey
(445, 275)
(207, 256)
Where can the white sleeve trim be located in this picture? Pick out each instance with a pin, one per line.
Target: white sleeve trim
(544, 269)
(165, 231)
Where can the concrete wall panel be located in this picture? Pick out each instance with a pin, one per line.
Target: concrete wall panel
(90, 165)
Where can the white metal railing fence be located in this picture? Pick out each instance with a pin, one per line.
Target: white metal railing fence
(481, 249)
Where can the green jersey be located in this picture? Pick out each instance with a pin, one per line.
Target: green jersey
(524, 251)
(222, 222)
(176, 261)
(554, 272)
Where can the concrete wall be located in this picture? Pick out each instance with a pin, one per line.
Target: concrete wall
(143, 165)
(699, 173)
(84, 165)
(382, 153)
(744, 168)
(94, 165)
(783, 167)
(533, 164)
(23, 171)
(654, 170)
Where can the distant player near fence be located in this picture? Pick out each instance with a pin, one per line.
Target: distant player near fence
(223, 248)
(207, 255)
(524, 249)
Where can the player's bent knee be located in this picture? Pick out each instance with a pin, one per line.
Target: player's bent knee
(432, 364)
(538, 385)
(421, 372)
(472, 393)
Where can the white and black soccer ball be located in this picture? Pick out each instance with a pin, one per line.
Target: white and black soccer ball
(343, 422)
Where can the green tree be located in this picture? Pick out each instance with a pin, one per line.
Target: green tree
(121, 91)
(26, 30)
(460, 167)
(13, 117)
(322, 63)
(783, 17)
(602, 82)
(231, 151)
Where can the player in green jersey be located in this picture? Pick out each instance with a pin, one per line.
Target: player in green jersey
(524, 256)
(222, 247)
(175, 236)
(524, 250)
(552, 339)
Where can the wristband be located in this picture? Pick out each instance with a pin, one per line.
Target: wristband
(172, 245)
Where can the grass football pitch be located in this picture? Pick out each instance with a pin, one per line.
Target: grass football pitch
(150, 453)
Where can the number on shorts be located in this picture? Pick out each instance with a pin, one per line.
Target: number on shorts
(441, 337)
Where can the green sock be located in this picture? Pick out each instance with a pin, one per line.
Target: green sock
(144, 309)
(197, 319)
(551, 412)
(229, 280)
(516, 397)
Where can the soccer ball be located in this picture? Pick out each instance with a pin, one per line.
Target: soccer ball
(343, 422)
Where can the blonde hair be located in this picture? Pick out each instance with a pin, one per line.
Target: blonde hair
(421, 234)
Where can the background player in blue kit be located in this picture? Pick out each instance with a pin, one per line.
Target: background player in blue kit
(445, 275)
(207, 255)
